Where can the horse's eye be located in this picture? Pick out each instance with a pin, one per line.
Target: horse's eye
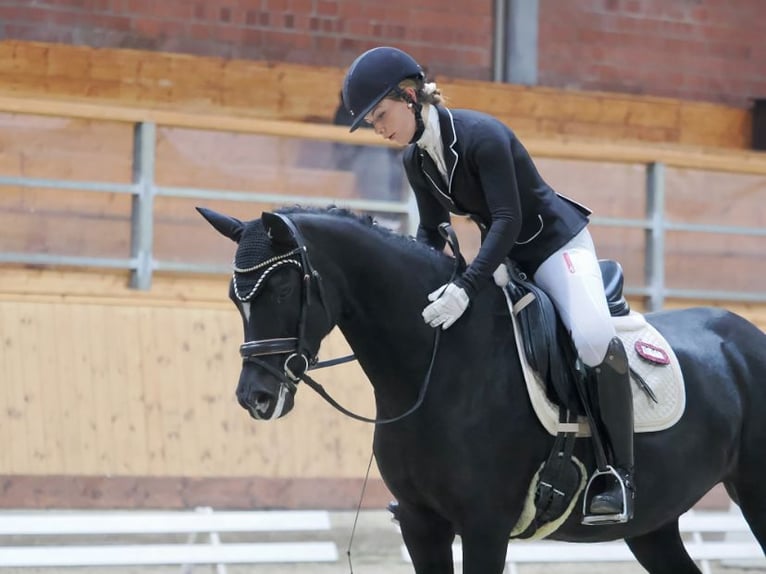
(281, 287)
(283, 292)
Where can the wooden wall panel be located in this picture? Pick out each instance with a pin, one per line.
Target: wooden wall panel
(254, 163)
(65, 148)
(599, 115)
(131, 390)
(98, 225)
(74, 149)
(100, 380)
(307, 93)
(111, 287)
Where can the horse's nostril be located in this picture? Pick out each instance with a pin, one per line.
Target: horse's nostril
(260, 400)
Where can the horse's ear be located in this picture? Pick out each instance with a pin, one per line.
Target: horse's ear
(277, 228)
(230, 227)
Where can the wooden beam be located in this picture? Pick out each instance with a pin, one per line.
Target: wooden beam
(295, 92)
(166, 115)
(714, 159)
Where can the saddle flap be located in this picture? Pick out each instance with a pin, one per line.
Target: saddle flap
(547, 347)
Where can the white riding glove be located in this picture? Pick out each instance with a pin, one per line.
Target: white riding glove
(501, 275)
(449, 303)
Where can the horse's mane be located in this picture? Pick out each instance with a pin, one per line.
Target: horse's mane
(397, 241)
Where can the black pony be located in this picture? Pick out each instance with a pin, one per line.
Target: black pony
(462, 462)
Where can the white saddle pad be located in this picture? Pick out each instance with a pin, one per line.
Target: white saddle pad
(656, 364)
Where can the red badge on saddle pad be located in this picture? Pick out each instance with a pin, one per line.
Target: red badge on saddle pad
(651, 353)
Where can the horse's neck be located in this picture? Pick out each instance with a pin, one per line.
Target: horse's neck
(382, 307)
(380, 293)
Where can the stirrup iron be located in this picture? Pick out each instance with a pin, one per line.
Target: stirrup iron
(615, 518)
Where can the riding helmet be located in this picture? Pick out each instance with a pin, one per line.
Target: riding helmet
(372, 76)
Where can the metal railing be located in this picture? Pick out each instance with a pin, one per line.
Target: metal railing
(142, 262)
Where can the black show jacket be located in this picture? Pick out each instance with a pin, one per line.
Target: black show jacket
(493, 180)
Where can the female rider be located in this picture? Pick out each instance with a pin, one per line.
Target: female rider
(469, 163)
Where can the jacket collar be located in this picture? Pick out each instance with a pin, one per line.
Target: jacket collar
(449, 141)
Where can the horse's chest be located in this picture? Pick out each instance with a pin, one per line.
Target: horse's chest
(421, 457)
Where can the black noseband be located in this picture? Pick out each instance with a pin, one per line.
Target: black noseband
(266, 347)
(295, 365)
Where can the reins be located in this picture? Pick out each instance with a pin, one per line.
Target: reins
(320, 390)
(451, 238)
(449, 235)
(332, 362)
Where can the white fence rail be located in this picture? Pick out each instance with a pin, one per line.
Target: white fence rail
(123, 525)
(708, 536)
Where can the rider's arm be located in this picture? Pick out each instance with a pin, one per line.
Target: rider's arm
(492, 160)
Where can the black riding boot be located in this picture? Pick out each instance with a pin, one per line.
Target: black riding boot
(616, 409)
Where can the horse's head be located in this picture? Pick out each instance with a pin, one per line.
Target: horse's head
(283, 309)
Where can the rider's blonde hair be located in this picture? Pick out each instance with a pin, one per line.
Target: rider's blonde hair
(426, 92)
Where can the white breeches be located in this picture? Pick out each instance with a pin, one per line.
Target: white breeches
(572, 279)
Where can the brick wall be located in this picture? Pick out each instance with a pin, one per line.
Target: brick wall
(449, 36)
(709, 50)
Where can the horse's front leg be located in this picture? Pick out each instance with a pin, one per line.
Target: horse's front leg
(484, 549)
(428, 538)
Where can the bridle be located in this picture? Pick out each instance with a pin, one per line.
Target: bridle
(300, 358)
